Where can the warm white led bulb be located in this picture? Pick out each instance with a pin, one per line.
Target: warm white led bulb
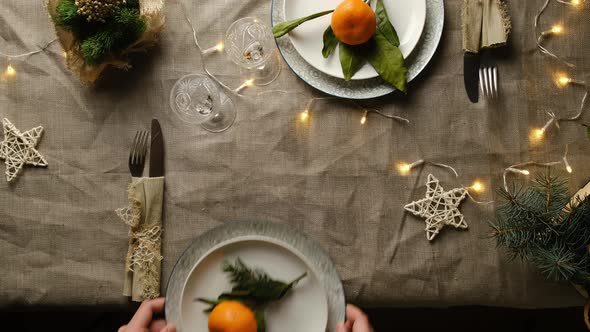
(557, 29)
(477, 187)
(563, 80)
(403, 168)
(364, 118)
(10, 71)
(304, 116)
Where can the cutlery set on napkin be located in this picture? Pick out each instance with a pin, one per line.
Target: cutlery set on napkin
(486, 24)
(143, 215)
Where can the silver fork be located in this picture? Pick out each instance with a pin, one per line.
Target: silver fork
(488, 82)
(138, 153)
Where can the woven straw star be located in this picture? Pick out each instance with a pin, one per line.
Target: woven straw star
(18, 149)
(440, 207)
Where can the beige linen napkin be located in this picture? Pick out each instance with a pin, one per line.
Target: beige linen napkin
(486, 23)
(143, 215)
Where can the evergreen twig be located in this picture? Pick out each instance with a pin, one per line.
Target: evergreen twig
(97, 39)
(542, 225)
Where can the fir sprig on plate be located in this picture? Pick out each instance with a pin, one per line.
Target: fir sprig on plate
(252, 287)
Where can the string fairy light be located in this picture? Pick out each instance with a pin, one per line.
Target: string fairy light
(574, 3)
(364, 118)
(306, 113)
(405, 168)
(10, 71)
(556, 29)
(247, 83)
(568, 167)
(561, 80)
(366, 112)
(518, 168)
(477, 186)
(218, 47)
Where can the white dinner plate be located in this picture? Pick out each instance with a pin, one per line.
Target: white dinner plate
(407, 16)
(315, 304)
(369, 88)
(304, 309)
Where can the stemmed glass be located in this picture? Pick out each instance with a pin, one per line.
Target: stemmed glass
(196, 99)
(249, 43)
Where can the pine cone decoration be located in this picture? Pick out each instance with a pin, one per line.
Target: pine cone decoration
(98, 10)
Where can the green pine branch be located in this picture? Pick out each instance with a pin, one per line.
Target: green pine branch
(536, 225)
(97, 40)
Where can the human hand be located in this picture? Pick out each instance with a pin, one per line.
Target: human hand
(142, 320)
(356, 321)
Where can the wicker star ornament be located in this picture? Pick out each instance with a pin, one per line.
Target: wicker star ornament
(439, 208)
(18, 149)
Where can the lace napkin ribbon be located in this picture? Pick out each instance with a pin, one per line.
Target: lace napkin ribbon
(143, 215)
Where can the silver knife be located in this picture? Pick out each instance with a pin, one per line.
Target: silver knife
(156, 150)
(471, 62)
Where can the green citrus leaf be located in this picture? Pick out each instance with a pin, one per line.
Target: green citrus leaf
(260, 319)
(387, 60)
(283, 28)
(330, 42)
(384, 25)
(351, 60)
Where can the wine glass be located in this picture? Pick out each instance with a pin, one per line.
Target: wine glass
(196, 99)
(249, 43)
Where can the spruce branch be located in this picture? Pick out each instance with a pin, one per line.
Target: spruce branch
(544, 226)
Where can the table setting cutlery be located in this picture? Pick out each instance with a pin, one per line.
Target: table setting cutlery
(488, 82)
(486, 24)
(143, 215)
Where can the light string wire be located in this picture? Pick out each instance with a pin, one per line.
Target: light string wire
(312, 100)
(203, 64)
(517, 168)
(562, 80)
(9, 56)
(557, 29)
(10, 71)
(477, 186)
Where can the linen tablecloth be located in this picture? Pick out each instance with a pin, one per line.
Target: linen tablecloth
(332, 178)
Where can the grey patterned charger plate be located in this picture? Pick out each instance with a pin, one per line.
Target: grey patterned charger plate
(369, 88)
(316, 258)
